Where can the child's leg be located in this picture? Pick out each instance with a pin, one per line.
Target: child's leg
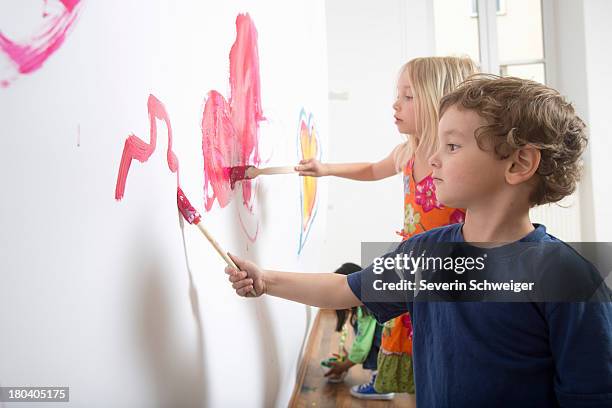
(367, 391)
(371, 360)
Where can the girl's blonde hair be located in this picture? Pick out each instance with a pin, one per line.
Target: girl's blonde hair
(430, 79)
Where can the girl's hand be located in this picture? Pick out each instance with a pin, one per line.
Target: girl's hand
(312, 167)
(339, 367)
(249, 277)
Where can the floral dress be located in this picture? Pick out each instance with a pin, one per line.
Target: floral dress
(422, 212)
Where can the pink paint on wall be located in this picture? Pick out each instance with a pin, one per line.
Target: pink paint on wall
(29, 55)
(136, 148)
(245, 99)
(217, 147)
(69, 4)
(230, 131)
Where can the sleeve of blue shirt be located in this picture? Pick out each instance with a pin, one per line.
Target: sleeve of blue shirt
(383, 310)
(581, 344)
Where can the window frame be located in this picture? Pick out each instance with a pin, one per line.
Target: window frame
(500, 11)
(488, 45)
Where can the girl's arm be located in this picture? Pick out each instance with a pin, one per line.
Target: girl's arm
(355, 171)
(324, 290)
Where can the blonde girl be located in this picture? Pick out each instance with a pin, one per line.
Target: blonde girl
(421, 85)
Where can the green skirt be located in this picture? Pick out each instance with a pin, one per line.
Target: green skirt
(395, 373)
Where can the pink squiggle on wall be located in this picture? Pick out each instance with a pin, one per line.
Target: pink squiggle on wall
(28, 56)
(136, 148)
(230, 131)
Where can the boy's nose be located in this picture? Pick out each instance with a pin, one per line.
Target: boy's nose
(395, 106)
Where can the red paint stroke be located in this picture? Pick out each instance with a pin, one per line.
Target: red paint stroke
(136, 148)
(28, 56)
(230, 131)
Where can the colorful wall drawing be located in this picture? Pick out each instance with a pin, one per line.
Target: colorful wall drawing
(230, 137)
(230, 130)
(27, 55)
(309, 147)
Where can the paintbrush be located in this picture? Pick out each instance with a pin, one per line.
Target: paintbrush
(192, 216)
(238, 173)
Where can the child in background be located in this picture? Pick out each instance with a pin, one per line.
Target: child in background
(364, 349)
(506, 145)
(421, 85)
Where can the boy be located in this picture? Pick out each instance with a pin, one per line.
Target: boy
(506, 145)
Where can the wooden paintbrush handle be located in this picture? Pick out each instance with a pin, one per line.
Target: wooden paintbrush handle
(220, 251)
(277, 170)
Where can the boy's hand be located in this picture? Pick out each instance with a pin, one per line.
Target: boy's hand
(249, 277)
(312, 167)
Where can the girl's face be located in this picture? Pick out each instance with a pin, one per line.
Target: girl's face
(463, 173)
(405, 118)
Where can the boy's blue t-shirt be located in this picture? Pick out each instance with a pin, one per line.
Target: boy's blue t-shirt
(482, 354)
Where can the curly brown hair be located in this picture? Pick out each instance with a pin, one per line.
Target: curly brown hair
(518, 113)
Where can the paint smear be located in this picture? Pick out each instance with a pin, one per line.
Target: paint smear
(245, 99)
(230, 130)
(217, 146)
(29, 55)
(308, 148)
(136, 148)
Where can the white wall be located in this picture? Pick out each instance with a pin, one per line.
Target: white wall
(113, 299)
(583, 36)
(368, 42)
(598, 36)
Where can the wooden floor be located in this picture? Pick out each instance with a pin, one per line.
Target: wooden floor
(313, 390)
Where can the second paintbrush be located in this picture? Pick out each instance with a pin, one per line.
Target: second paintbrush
(238, 173)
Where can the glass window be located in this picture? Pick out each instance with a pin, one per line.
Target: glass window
(517, 26)
(519, 31)
(456, 30)
(534, 72)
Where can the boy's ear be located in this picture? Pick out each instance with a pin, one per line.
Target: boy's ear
(524, 163)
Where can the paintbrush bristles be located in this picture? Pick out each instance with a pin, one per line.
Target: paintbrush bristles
(190, 214)
(238, 173)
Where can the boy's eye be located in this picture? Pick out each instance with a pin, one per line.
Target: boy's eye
(408, 97)
(452, 147)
